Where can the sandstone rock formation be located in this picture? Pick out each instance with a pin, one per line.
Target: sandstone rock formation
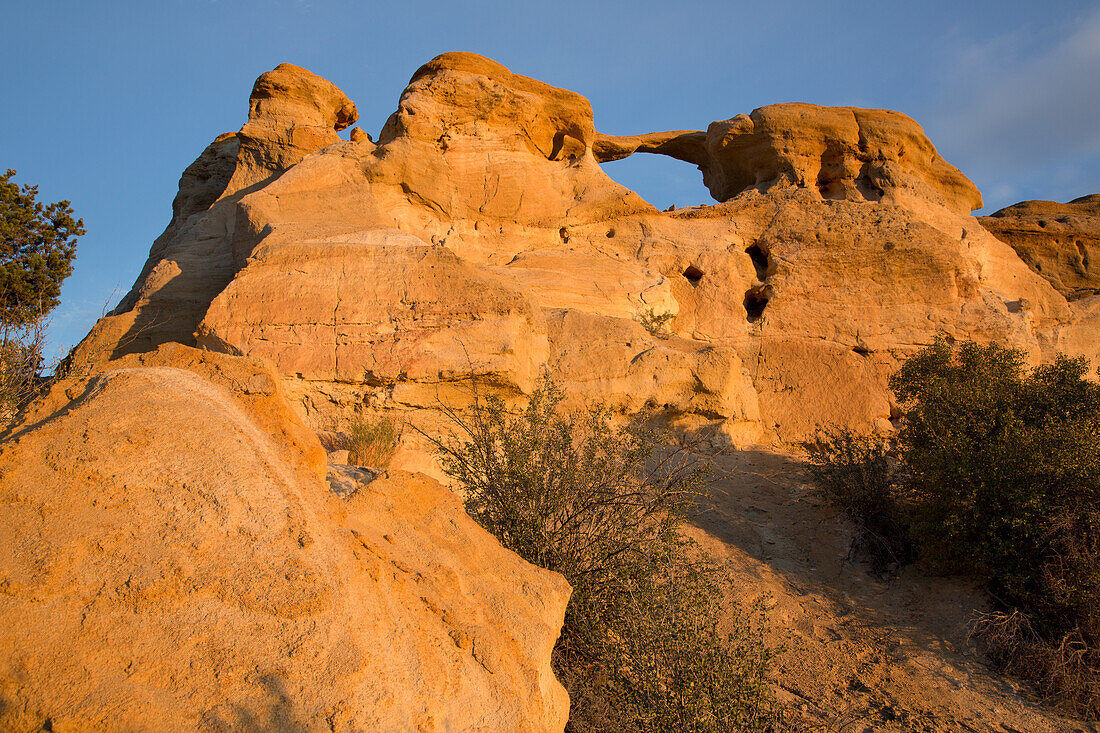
(291, 113)
(846, 153)
(480, 237)
(174, 560)
(1061, 242)
(178, 554)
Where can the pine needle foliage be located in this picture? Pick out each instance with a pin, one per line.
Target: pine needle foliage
(37, 247)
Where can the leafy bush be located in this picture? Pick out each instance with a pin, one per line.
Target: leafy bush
(858, 474)
(643, 646)
(371, 442)
(1004, 469)
(998, 477)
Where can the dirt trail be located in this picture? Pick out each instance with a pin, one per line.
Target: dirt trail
(858, 653)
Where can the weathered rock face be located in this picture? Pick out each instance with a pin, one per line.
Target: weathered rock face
(844, 152)
(1061, 242)
(480, 237)
(174, 559)
(292, 113)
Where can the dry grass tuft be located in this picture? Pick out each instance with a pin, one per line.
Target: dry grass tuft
(1065, 670)
(372, 443)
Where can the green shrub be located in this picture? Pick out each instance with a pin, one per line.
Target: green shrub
(645, 645)
(371, 442)
(658, 324)
(998, 477)
(858, 475)
(1004, 470)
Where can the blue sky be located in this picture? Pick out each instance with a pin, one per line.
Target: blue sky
(106, 103)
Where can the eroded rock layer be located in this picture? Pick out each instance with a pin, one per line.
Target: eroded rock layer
(178, 559)
(480, 237)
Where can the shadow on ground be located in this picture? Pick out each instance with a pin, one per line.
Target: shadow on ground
(857, 652)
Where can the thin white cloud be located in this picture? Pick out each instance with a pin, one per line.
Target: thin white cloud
(1016, 109)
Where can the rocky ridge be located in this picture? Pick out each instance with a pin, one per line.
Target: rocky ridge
(480, 236)
(1061, 242)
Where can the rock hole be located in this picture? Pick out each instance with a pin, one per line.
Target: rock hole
(693, 275)
(564, 234)
(866, 181)
(829, 188)
(558, 145)
(611, 232)
(870, 190)
(755, 302)
(759, 261)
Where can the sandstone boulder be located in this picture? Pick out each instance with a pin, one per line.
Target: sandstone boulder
(843, 152)
(291, 113)
(174, 559)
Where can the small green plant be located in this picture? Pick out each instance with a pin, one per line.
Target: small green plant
(371, 442)
(658, 324)
(647, 644)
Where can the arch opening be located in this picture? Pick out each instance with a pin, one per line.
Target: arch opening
(661, 180)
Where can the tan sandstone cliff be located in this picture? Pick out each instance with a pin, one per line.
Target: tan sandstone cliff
(1061, 242)
(481, 236)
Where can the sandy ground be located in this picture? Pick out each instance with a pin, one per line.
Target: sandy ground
(856, 653)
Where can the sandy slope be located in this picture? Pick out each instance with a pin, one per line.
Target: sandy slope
(857, 653)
